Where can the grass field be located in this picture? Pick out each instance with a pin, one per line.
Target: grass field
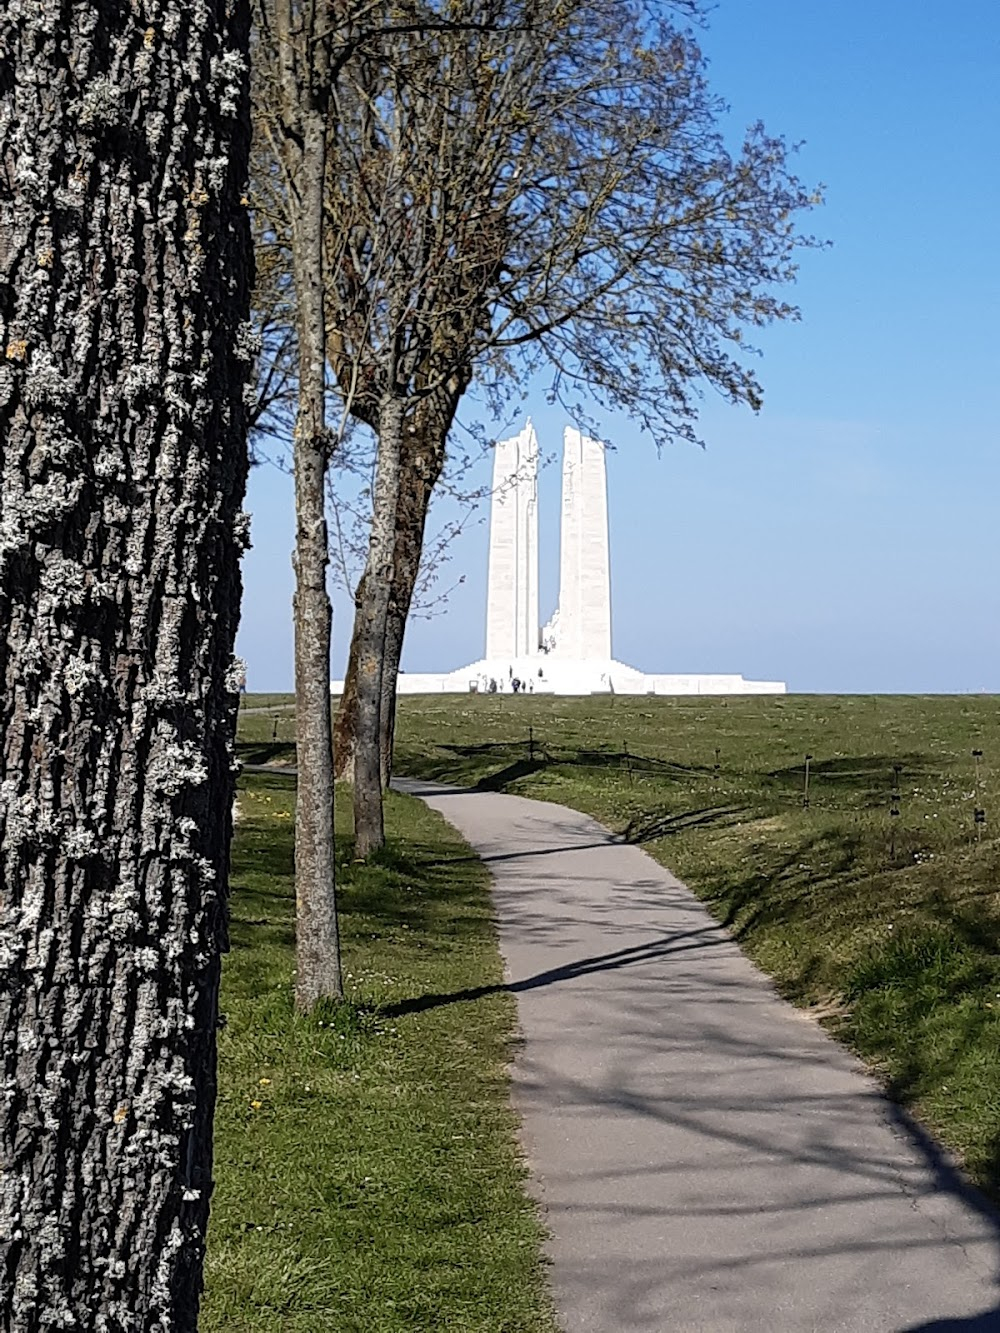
(886, 925)
(367, 1174)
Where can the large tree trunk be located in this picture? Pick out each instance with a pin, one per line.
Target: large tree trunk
(415, 491)
(124, 282)
(301, 34)
(415, 488)
(370, 628)
(419, 473)
(422, 461)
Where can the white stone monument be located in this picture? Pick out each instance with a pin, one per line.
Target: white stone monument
(512, 599)
(572, 653)
(580, 630)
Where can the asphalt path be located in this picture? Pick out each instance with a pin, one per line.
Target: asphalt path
(706, 1157)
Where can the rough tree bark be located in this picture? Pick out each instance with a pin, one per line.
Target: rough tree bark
(124, 352)
(302, 34)
(370, 630)
(415, 488)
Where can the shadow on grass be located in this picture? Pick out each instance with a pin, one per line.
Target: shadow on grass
(410, 885)
(497, 766)
(465, 763)
(265, 752)
(870, 778)
(786, 889)
(650, 826)
(504, 777)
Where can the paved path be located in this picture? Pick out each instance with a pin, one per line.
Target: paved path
(707, 1158)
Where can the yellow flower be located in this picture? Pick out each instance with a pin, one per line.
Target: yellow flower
(265, 1083)
(256, 1105)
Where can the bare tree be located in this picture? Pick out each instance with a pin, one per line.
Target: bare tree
(546, 187)
(404, 374)
(125, 268)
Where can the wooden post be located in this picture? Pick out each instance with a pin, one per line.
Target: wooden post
(894, 810)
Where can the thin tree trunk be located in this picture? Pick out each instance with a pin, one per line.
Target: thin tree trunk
(124, 295)
(369, 831)
(416, 489)
(301, 35)
(317, 952)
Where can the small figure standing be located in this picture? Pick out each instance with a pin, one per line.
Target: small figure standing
(515, 684)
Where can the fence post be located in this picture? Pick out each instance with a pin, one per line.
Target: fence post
(894, 810)
(978, 813)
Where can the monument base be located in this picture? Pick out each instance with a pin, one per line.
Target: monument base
(547, 674)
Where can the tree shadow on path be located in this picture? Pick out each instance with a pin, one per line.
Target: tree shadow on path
(674, 943)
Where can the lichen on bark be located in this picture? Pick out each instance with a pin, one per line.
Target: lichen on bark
(124, 280)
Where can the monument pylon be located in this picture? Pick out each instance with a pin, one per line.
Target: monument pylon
(581, 627)
(512, 583)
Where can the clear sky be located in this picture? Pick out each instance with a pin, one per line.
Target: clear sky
(846, 538)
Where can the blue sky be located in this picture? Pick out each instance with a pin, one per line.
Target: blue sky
(846, 538)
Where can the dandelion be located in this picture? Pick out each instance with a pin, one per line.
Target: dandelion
(265, 1082)
(255, 1106)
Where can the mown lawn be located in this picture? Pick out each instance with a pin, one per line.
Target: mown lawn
(367, 1173)
(886, 926)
